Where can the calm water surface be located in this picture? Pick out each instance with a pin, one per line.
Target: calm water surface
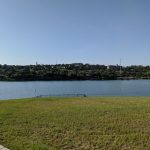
(13, 90)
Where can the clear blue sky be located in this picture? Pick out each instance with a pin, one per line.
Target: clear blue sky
(68, 31)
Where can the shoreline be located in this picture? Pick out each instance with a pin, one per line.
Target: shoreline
(119, 79)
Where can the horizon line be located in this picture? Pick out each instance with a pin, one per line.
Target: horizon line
(74, 64)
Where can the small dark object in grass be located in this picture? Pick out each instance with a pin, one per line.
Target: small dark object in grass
(84, 95)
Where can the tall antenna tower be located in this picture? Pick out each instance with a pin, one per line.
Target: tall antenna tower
(120, 66)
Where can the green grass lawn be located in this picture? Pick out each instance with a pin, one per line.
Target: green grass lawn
(75, 123)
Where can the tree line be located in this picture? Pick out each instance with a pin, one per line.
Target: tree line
(76, 71)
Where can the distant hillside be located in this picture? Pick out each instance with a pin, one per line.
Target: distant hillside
(76, 71)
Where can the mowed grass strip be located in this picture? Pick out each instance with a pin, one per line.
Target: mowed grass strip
(75, 123)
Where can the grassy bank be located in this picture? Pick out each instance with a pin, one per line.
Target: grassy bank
(75, 123)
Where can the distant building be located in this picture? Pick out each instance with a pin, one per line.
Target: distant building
(77, 64)
(113, 67)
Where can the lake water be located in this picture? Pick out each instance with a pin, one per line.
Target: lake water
(13, 90)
